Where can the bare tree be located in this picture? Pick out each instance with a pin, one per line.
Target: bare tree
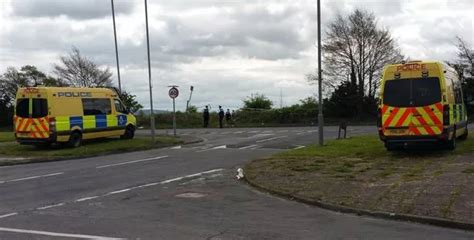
(464, 64)
(80, 71)
(356, 49)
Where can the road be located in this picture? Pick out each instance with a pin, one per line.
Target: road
(183, 192)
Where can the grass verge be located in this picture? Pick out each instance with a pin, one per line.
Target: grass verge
(89, 148)
(7, 137)
(359, 173)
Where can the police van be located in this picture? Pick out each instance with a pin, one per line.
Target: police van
(45, 115)
(421, 102)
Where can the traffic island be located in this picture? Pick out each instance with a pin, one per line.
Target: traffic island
(358, 175)
(12, 153)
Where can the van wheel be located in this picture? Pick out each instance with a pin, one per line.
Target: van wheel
(129, 133)
(464, 136)
(75, 140)
(451, 144)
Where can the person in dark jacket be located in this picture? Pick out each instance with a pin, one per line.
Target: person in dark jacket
(205, 116)
(221, 116)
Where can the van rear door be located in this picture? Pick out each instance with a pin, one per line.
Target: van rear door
(412, 107)
(31, 118)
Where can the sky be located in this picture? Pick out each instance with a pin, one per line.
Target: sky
(226, 49)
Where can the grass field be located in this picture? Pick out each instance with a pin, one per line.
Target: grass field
(359, 172)
(89, 148)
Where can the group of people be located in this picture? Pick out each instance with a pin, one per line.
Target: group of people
(227, 115)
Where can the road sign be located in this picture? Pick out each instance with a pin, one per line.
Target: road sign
(173, 92)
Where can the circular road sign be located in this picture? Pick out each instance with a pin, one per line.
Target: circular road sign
(173, 92)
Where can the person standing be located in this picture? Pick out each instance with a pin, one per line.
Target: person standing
(221, 116)
(228, 118)
(205, 116)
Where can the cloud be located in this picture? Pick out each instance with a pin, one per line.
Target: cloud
(76, 9)
(226, 49)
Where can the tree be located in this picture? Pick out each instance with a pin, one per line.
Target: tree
(355, 49)
(258, 101)
(129, 101)
(12, 79)
(192, 109)
(464, 67)
(80, 71)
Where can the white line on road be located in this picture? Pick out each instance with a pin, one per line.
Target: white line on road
(50, 206)
(119, 191)
(176, 147)
(247, 147)
(220, 147)
(270, 139)
(190, 176)
(32, 177)
(213, 148)
(299, 147)
(8, 215)
(86, 199)
(130, 162)
(56, 234)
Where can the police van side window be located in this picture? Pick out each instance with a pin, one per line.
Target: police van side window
(96, 106)
(119, 106)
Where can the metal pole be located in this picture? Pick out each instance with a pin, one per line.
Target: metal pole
(174, 118)
(320, 101)
(116, 48)
(152, 114)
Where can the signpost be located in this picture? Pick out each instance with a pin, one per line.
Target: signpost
(174, 93)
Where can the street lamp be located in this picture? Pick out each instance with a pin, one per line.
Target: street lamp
(116, 48)
(152, 114)
(320, 104)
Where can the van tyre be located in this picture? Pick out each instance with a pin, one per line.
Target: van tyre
(75, 140)
(464, 136)
(451, 144)
(129, 133)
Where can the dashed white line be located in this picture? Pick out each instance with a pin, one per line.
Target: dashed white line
(176, 147)
(220, 147)
(56, 234)
(270, 139)
(247, 147)
(8, 215)
(32, 177)
(50, 206)
(299, 147)
(119, 191)
(130, 162)
(190, 176)
(86, 199)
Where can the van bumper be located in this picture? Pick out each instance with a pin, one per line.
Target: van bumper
(417, 140)
(35, 141)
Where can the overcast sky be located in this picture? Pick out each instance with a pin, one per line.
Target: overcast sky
(227, 49)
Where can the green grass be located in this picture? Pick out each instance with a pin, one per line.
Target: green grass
(6, 137)
(89, 148)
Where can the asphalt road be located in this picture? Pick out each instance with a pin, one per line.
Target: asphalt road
(184, 192)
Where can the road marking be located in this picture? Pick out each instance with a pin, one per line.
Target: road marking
(299, 147)
(246, 147)
(8, 215)
(253, 131)
(119, 191)
(86, 199)
(220, 147)
(56, 234)
(190, 176)
(270, 139)
(32, 177)
(282, 131)
(130, 162)
(177, 147)
(50, 206)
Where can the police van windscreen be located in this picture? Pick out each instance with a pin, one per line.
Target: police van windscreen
(412, 92)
